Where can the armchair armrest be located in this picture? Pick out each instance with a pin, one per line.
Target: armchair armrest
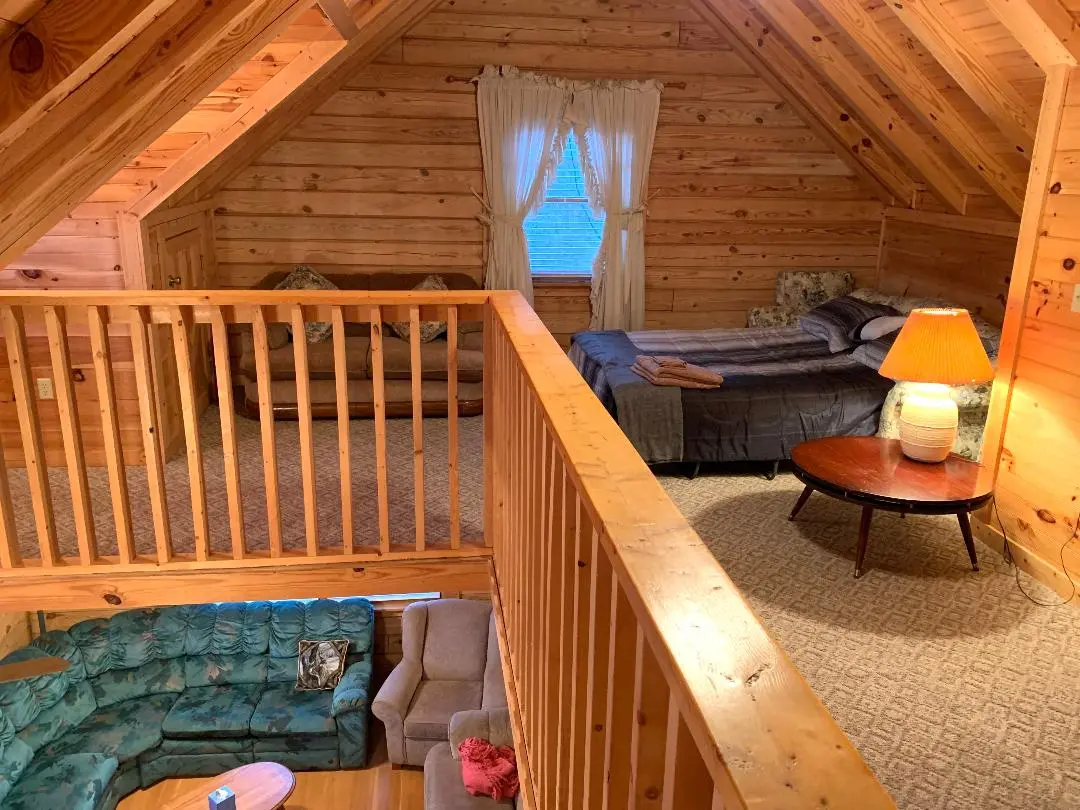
(492, 725)
(392, 703)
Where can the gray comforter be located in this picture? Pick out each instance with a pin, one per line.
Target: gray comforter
(781, 387)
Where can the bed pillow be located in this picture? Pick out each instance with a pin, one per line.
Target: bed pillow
(872, 352)
(838, 321)
(879, 327)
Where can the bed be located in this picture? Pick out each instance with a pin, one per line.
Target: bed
(782, 386)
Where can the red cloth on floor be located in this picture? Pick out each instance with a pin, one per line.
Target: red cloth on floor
(487, 770)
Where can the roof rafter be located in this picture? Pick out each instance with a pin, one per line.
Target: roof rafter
(339, 15)
(180, 56)
(934, 27)
(902, 74)
(805, 93)
(871, 106)
(1044, 28)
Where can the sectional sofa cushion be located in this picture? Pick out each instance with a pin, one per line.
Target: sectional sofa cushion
(74, 782)
(74, 706)
(285, 710)
(15, 755)
(123, 730)
(152, 678)
(213, 711)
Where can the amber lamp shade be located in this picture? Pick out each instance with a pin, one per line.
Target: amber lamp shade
(935, 349)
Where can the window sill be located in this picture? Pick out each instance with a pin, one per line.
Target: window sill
(562, 281)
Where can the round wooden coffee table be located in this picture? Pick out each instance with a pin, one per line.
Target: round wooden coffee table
(875, 474)
(260, 786)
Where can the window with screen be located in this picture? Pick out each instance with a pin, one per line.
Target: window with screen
(563, 234)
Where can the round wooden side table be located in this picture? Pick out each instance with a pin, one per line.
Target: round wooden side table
(875, 474)
(259, 786)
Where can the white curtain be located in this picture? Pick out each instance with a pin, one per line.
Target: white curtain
(523, 124)
(615, 124)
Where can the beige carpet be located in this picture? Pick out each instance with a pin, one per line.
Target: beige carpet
(960, 693)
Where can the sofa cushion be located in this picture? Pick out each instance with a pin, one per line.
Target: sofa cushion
(456, 640)
(231, 628)
(397, 361)
(284, 710)
(316, 620)
(123, 731)
(218, 670)
(55, 721)
(435, 702)
(130, 639)
(152, 678)
(213, 711)
(15, 755)
(320, 359)
(23, 700)
(73, 782)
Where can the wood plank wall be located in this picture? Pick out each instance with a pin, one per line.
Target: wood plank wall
(14, 631)
(380, 177)
(962, 260)
(1038, 484)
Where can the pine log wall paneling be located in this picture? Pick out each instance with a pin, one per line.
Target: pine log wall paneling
(381, 177)
(962, 260)
(14, 631)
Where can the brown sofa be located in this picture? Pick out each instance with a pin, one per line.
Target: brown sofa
(396, 360)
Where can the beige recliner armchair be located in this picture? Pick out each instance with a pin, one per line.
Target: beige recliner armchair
(450, 664)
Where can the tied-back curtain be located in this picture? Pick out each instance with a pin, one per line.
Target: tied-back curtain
(615, 124)
(522, 119)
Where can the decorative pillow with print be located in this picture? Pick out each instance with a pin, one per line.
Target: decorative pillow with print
(429, 330)
(304, 277)
(321, 664)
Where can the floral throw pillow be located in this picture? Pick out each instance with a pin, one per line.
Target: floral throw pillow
(429, 330)
(321, 664)
(304, 277)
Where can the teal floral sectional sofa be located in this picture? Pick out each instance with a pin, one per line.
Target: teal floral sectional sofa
(180, 691)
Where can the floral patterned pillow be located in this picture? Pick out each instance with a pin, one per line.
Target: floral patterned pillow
(304, 277)
(429, 330)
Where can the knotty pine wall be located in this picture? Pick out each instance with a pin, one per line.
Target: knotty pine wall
(14, 631)
(963, 260)
(381, 176)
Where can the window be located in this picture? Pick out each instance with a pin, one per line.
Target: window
(563, 234)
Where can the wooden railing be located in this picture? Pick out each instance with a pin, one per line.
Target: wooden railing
(639, 675)
(196, 325)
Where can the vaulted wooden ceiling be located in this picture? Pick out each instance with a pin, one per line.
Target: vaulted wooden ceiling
(141, 103)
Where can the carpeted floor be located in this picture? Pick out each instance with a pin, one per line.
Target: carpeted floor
(959, 692)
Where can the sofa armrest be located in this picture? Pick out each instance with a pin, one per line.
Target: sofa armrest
(349, 708)
(492, 725)
(392, 703)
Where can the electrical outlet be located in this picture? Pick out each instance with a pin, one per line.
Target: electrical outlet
(1076, 298)
(45, 388)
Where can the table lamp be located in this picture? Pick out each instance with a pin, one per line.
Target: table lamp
(936, 348)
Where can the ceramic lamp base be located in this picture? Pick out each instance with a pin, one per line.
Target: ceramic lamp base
(928, 423)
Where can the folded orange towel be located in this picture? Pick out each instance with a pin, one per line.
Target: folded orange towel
(673, 371)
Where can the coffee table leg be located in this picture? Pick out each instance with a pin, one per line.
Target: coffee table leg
(969, 541)
(799, 504)
(864, 536)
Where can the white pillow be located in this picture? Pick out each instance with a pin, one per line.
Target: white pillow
(878, 327)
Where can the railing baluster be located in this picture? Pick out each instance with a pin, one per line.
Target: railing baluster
(148, 414)
(341, 388)
(9, 538)
(551, 666)
(649, 728)
(68, 410)
(227, 409)
(378, 385)
(417, 371)
(452, 423)
(687, 782)
(495, 423)
(596, 689)
(563, 652)
(181, 324)
(261, 345)
(579, 720)
(620, 697)
(307, 441)
(101, 353)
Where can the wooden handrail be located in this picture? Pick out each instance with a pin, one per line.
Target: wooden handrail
(764, 737)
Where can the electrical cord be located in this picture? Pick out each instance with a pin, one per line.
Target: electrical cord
(1061, 557)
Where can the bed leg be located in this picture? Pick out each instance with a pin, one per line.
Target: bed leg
(694, 470)
(771, 474)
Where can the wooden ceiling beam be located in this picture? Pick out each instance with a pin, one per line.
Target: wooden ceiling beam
(903, 75)
(379, 26)
(932, 25)
(1044, 28)
(804, 92)
(339, 15)
(186, 51)
(58, 49)
(786, 17)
